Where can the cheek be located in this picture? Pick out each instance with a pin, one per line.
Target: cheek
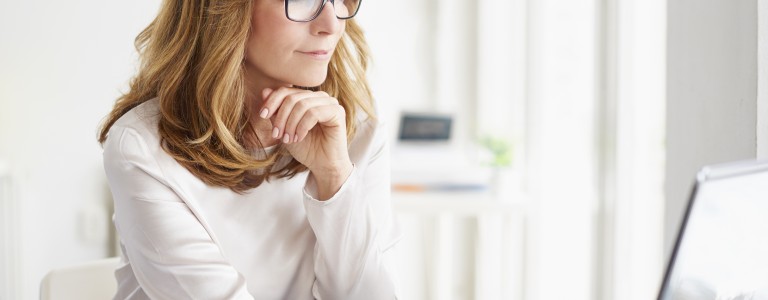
(266, 33)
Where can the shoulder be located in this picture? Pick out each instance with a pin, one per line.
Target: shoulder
(134, 139)
(142, 119)
(368, 124)
(371, 135)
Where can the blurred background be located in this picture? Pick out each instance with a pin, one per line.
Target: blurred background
(542, 149)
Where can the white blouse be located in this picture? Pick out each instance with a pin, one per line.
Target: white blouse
(183, 239)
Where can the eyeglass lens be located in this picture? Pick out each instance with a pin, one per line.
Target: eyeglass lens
(306, 10)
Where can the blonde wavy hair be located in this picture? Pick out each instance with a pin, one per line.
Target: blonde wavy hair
(192, 59)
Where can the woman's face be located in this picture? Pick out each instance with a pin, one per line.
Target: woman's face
(287, 52)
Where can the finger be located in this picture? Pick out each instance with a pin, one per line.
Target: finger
(272, 105)
(263, 110)
(273, 98)
(326, 115)
(302, 107)
(280, 117)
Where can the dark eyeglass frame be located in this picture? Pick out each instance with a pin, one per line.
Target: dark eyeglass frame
(320, 10)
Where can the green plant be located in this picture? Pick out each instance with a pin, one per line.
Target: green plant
(501, 149)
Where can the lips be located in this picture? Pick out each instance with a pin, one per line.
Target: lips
(317, 54)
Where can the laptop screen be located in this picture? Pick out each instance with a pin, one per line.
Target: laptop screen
(722, 251)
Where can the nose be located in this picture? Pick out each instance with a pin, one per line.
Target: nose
(326, 23)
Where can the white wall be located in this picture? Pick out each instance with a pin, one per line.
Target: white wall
(711, 93)
(62, 65)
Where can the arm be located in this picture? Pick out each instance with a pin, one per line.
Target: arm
(171, 254)
(355, 230)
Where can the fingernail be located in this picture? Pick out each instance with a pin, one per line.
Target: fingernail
(264, 112)
(286, 138)
(275, 132)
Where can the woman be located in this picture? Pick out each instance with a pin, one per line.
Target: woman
(230, 181)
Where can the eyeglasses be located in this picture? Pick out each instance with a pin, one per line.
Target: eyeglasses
(308, 10)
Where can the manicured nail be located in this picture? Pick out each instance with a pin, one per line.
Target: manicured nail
(275, 132)
(264, 112)
(286, 138)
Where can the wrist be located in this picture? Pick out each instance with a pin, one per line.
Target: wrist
(330, 179)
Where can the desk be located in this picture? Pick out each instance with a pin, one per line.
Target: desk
(456, 203)
(490, 266)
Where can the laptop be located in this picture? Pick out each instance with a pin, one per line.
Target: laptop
(721, 252)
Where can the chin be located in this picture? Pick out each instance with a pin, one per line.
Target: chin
(310, 80)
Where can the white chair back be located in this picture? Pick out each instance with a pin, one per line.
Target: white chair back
(90, 280)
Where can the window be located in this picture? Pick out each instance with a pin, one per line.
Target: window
(578, 88)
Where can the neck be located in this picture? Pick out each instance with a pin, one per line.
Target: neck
(255, 83)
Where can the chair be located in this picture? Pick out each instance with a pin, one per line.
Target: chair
(89, 280)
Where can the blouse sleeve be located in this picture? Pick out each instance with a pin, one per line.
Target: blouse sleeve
(171, 254)
(356, 231)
